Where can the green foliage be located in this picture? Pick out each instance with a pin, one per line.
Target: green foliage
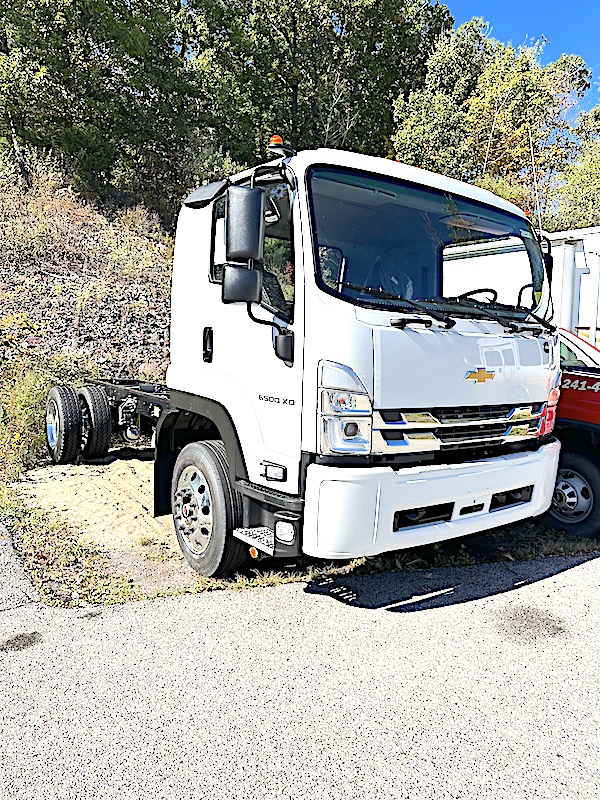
(307, 69)
(24, 384)
(139, 102)
(579, 195)
(102, 83)
(513, 191)
(143, 100)
(484, 106)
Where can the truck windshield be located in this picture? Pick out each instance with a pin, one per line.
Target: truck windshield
(380, 241)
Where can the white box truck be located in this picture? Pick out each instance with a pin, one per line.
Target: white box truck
(361, 361)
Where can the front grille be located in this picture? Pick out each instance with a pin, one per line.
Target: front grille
(417, 430)
(450, 415)
(450, 435)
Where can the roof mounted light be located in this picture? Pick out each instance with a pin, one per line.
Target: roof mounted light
(277, 146)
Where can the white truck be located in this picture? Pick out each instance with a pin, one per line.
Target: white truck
(356, 367)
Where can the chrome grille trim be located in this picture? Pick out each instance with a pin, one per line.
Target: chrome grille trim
(414, 431)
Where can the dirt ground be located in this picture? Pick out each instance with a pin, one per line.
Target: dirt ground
(110, 504)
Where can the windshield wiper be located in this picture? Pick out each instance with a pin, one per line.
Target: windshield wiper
(510, 324)
(441, 317)
(543, 322)
(504, 321)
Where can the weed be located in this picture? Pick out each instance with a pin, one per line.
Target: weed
(65, 572)
(68, 573)
(24, 384)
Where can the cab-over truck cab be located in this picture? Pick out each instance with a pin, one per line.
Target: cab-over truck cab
(354, 369)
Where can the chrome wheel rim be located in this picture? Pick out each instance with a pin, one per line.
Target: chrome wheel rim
(52, 423)
(193, 510)
(573, 499)
(86, 424)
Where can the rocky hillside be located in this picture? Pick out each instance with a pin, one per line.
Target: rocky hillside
(78, 281)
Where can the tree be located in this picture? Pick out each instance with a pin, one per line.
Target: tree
(431, 124)
(102, 83)
(319, 73)
(578, 195)
(489, 113)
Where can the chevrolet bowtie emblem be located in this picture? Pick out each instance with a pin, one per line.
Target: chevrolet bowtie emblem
(480, 375)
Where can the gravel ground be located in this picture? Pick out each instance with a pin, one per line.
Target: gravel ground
(481, 682)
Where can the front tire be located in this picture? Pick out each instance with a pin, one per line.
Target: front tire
(576, 501)
(206, 510)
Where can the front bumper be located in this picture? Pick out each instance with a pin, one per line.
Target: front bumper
(349, 512)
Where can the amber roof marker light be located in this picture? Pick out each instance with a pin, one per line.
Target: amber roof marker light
(277, 146)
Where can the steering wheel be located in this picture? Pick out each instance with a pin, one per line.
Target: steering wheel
(493, 292)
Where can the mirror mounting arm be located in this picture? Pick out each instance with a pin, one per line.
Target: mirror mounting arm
(272, 324)
(284, 341)
(269, 169)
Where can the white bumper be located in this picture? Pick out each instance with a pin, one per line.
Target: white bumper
(349, 512)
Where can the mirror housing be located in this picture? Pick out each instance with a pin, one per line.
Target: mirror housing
(549, 264)
(284, 346)
(241, 285)
(245, 227)
(546, 248)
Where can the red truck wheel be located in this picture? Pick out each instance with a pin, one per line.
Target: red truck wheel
(576, 502)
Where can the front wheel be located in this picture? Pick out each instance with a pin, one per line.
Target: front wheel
(576, 500)
(206, 510)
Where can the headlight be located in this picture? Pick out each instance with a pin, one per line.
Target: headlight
(344, 402)
(345, 414)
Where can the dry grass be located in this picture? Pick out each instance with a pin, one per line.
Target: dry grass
(69, 574)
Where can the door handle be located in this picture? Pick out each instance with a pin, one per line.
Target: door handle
(207, 345)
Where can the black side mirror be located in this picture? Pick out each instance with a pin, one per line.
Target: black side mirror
(546, 247)
(241, 285)
(245, 224)
(284, 346)
(549, 264)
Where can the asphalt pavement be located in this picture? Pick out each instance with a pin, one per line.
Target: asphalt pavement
(471, 683)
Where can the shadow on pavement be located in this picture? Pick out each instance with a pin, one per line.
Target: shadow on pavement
(426, 589)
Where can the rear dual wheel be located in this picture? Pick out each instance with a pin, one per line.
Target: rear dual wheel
(77, 422)
(63, 424)
(96, 423)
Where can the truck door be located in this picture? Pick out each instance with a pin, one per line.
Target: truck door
(269, 389)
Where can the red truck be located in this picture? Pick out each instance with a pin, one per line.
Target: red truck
(576, 502)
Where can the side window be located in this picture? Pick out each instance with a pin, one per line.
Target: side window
(278, 259)
(568, 357)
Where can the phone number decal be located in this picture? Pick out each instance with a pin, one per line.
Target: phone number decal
(582, 386)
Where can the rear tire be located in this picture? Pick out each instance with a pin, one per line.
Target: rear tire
(576, 501)
(206, 510)
(96, 421)
(63, 424)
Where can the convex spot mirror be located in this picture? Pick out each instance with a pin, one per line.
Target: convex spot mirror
(284, 346)
(245, 224)
(547, 256)
(549, 264)
(241, 285)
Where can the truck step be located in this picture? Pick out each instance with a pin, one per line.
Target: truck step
(262, 538)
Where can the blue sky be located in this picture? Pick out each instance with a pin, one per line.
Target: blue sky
(569, 27)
